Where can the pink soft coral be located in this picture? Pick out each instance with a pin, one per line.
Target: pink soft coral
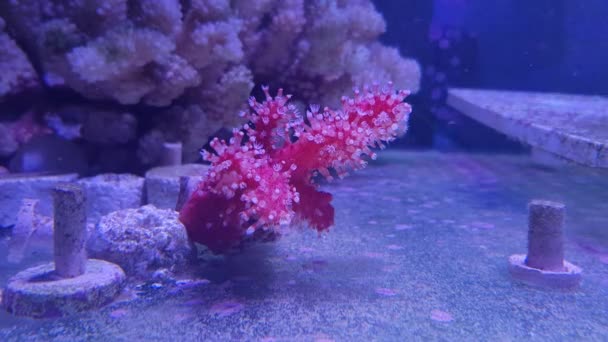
(262, 178)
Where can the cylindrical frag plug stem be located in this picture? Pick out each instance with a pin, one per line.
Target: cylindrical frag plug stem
(545, 240)
(70, 230)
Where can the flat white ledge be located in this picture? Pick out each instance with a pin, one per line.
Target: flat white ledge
(574, 127)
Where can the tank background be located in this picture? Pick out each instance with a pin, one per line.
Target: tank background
(544, 45)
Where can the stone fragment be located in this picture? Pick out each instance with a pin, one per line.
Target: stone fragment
(141, 240)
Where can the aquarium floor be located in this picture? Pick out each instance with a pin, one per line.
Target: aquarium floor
(419, 252)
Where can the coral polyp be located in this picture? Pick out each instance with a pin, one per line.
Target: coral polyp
(262, 178)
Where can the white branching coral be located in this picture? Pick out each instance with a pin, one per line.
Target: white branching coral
(215, 42)
(162, 15)
(115, 53)
(200, 56)
(274, 45)
(17, 73)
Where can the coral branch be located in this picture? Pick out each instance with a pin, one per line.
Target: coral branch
(258, 184)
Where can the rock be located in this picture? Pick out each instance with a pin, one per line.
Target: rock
(162, 183)
(141, 240)
(15, 187)
(49, 153)
(111, 192)
(108, 128)
(8, 143)
(150, 147)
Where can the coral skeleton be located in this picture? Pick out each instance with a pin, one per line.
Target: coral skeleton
(261, 180)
